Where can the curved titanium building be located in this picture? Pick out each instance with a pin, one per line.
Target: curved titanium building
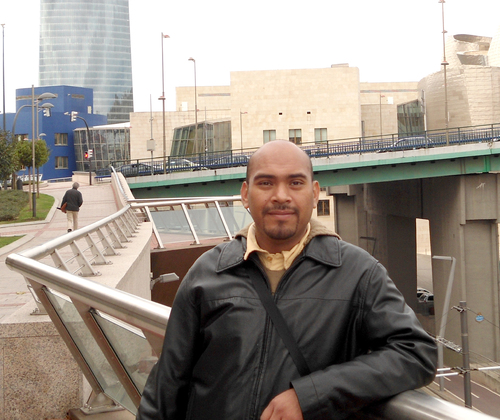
(87, 44)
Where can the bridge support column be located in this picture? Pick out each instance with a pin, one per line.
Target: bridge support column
(463, 213)
(380, 218)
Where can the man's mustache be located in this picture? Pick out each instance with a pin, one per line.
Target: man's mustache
(280, 208)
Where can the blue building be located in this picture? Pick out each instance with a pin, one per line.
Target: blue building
(56, 129)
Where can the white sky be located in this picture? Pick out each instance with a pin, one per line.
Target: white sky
(388, 40)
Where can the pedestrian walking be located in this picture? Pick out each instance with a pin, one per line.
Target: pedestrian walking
(71, 203)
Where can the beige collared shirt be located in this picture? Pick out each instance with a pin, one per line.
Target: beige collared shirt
(275, 264)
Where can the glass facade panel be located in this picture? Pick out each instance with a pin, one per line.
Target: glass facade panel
(61, 162)
(61, 139)
(87, 44)
(110, 146)
(100, 367)
(323, 208)
(269, 135)
(320, 135)
(136, 357)
(295, 135)
(410, 119)
(210, 136)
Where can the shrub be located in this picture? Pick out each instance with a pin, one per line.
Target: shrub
(12, 202)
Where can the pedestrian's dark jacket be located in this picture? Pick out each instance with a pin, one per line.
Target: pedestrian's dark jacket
(74, 199)
(223, 359)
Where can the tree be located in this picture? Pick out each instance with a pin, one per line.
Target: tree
(23, 154)
(42, 153)
(7, 152)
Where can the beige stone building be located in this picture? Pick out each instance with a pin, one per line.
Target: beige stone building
(304, 106)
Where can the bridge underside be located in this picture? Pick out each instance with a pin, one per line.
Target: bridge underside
(463, 214)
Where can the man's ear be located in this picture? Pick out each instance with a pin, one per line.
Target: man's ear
(244, 194)
(316, 190)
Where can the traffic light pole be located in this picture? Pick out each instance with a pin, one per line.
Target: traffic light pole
(73, 116)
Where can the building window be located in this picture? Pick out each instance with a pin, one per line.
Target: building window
(61, 162)
(323, 208)
(61, 139)
(295, 135)
(320, 135)
(269, 135)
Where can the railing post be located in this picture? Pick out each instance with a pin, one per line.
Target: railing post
(465, 352)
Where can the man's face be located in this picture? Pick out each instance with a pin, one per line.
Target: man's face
(280, 195)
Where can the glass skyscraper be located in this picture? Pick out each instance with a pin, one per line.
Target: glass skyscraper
(86, 43)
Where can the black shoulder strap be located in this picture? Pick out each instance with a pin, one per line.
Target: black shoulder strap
(280, 325)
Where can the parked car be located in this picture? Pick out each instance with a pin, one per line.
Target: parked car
(138, 169)
(228, 161)
(421, 291)
(408, 143)
(181, 164)
(413, 143)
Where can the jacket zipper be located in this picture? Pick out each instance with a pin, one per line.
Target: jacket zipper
(263, 351)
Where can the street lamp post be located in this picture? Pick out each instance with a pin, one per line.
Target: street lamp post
(162, 98)
(241, 131)
(73, 116)
(195, 107)
(34, 105)
(33, 194)
(3, 73)
(444, 64)
(380, 109)
(34, 109)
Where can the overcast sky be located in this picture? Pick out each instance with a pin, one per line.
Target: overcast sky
(388, 40)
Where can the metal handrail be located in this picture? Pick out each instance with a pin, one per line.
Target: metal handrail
(147, 204)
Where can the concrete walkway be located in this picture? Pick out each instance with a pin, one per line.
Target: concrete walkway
(98, 202)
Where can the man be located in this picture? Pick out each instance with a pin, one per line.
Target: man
(224, 359)
(73, 200)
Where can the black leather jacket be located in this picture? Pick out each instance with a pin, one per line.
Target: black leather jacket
(73, 198)
(222, 358)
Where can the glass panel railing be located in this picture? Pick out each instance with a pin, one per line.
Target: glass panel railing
(137, 356)
(236, 216)
(173, 226)
(100, 367)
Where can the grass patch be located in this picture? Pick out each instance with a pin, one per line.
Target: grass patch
(14, 207)
(6, 240)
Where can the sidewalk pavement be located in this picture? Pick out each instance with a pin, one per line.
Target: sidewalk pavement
(98, 202)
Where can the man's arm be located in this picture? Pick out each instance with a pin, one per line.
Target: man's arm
(400, 356)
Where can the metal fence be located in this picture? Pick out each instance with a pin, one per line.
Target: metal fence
(323, 149)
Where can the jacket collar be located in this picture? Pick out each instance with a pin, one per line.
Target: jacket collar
(322, 245)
